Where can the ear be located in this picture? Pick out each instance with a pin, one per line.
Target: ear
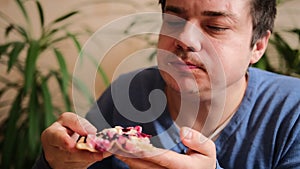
(260, 48)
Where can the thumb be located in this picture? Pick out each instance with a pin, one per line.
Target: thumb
(197, 142)
(76, 124)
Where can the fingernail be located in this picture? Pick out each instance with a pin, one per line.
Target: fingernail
(186, 133)
(202, 138)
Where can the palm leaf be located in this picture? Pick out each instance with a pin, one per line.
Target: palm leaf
(23, 10)
(56, 40)
(17, 48)
(46, 36)
(19, 29)
(283, 48)
(76, 43)
(22, 31)
(33, 122)
(10, 135)
(41, 13)
(3, 49)
(63, 69)
(49, 117)
(102, 73)
(264, 63)
(79, 85)
(152, 56)
(22, 155)
(64, 92)
(8, 29)
(297, 31)
(100, 70)
(64, 17)
(30, 67)
(74, 39)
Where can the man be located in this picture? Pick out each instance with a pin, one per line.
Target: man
(251, 117)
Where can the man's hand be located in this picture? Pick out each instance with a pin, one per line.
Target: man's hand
(201, 154)
(59, 141)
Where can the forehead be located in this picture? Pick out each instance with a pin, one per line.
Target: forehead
(196, 7)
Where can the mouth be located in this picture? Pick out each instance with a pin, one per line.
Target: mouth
(187, 66)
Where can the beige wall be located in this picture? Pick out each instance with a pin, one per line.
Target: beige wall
(97, 15)
(288, 15)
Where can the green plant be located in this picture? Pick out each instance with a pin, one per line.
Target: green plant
(32, 108)
(289, 57)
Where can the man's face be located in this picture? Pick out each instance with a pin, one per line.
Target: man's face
(205, 44)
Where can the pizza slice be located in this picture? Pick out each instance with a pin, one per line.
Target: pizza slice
(128, 140)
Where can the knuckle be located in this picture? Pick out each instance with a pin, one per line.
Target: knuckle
(67, 145)
(47, 133)
(64, 116)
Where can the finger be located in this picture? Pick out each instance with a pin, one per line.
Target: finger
(59, 144)
(173, 160)
(197, 142)
(76, 124)
(74, 160)
(72, 154)
(57, 136)
(165, 158)
(83, 156)
(136, 163)
(88, 127)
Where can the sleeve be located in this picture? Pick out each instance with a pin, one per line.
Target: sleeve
(291, 149)
(41, 163)
(291, 160)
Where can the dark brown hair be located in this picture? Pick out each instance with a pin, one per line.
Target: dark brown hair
(263, 13)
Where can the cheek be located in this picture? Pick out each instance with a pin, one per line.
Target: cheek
(164, 42)
(234, 54)
(165, 47)
(235, 61)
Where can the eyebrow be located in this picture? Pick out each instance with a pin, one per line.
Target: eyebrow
(219, 13)
(175, 9)
(178, 10)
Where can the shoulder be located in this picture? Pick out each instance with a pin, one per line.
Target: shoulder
(274, 99)
(277, 98)
(148, 74)
(272, 82)
(269, 117)
(141, 79)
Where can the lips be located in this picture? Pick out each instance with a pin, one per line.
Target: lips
(192, 66)
(186, 65)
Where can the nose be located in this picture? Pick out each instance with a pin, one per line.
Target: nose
(189, 39)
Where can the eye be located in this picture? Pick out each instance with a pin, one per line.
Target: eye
(216, 28)
(173, 21)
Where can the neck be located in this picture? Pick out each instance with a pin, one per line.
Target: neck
(205, 115)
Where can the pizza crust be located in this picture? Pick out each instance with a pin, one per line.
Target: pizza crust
(82, 145)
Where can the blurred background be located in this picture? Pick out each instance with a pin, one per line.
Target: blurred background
(40, 48)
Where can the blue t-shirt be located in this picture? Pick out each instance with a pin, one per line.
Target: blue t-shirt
(264, 133)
